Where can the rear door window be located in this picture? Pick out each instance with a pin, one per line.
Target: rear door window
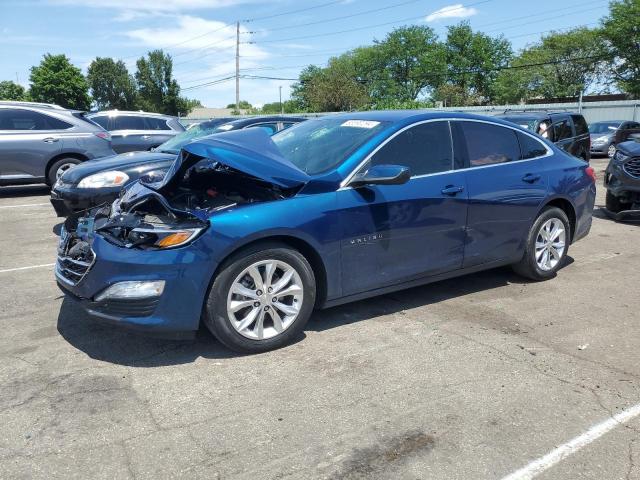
(128, 122)
(156, 124)
(489, 144)
(580, 124)
(270, 128)
(18, 119)
(424, 148)
(562, 130)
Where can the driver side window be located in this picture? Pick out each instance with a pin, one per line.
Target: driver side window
(425, 148)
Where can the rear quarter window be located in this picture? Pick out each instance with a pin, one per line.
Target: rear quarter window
(156, 124)
(530, 147)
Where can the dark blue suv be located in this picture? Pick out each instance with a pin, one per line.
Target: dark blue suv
(249, 233)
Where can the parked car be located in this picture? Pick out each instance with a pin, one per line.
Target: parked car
(251, 232)
(38, 142)
(603, 135)
(137, 131)
(568, 131)
(96, 183)
(622, 181)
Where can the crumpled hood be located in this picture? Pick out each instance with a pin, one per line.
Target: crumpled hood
(250, 151)
(114, 162)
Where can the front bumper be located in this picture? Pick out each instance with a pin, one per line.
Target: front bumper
(619, 183)
(186, 272)
(600, 149)
(66, 201)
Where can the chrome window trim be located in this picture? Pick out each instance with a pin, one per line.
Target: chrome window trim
(345, 183)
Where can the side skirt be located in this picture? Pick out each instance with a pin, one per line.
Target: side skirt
(416, 283)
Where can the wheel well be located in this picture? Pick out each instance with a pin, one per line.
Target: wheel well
(310, 253)
(566, 207)
(53, 160)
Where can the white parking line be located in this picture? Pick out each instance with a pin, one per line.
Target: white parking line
(27, 268)
(538, 466)
(25, 205)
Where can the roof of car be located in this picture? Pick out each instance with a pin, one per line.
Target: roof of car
(408, 116)
(129, 112)
(12, 103)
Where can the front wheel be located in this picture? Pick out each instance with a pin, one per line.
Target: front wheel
(611, 151)
(614, 204)
(261, 299)
(547, 245)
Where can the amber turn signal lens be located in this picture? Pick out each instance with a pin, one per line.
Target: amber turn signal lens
(174, 239)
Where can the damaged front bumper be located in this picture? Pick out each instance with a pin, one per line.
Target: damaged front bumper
(88, 264)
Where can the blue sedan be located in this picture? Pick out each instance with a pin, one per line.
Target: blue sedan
(249, 233)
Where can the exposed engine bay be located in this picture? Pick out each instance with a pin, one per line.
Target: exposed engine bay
(170, 214)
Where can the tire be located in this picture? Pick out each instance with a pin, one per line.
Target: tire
(227, 326)
(60, 165)
(533, 265)
(613, 203)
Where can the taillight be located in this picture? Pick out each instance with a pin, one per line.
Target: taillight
(103, 135)
(591, 173)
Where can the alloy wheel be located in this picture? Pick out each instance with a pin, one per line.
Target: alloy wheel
(265, 299)
(611, 151)
(63, 168)
(550, 244)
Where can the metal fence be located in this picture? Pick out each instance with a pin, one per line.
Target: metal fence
(592, 111)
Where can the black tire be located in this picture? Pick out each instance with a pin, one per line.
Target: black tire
(217, 319)
(528, 266)
(52, 175)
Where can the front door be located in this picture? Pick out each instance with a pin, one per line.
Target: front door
(395, 233)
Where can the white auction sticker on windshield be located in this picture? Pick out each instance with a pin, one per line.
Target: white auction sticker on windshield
(360, 123)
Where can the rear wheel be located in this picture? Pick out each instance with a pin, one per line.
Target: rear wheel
(261, 299)
(547, 245)
(59, 167)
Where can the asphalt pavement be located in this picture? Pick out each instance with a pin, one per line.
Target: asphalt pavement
(479, 377)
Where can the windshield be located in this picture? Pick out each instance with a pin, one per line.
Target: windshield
(174, 144)
(604, 127)
(317, 145)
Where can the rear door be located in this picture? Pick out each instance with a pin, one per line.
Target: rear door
(506, 184)
(157, 131)
(395, 233)
(128, 133)
(582, 143)
(28, 140)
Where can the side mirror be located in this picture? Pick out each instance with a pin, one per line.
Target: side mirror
(382, 175)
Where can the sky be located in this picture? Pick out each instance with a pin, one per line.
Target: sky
(278, 37)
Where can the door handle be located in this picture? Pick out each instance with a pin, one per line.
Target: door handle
(530, 178)
(50, 140)
(452, 190)
(146, 137)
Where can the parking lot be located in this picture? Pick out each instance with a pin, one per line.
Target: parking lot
(469, 378)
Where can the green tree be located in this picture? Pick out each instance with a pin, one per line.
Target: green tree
(408, 63)
(243, 104)
(473, 59)
(57, 81)
(12, 91)
(560, 65)
(621, 30)
(111, 84)
(158, 91)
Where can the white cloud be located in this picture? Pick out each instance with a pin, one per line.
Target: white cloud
(452, 11)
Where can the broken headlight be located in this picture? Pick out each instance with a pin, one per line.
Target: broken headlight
(161, 238)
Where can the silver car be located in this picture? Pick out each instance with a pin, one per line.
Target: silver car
(603, 135)
(137, 131)
(39, 141)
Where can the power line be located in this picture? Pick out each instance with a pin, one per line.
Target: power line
(291, 12)
(359, 28)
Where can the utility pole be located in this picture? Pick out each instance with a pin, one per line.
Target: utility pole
(238, 66)
(281, 107)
